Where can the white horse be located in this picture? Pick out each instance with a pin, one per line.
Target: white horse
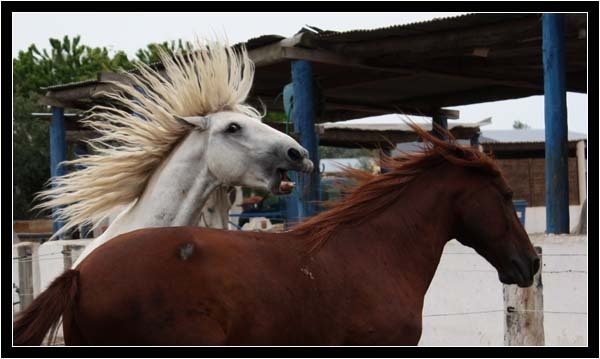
(168, 141)
(215, 213)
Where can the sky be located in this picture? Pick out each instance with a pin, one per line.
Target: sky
(131, 31)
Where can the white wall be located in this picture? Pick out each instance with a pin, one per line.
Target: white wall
(465, 282)
(15, 265)
(33, 260)
(51, 258)
(535, 218)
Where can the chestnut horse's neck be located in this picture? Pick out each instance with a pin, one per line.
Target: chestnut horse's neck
(408, 235)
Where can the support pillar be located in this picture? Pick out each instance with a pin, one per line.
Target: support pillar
(292, 200)
(441, 121)
(81, 150)
(58, 152)
(303, 115)
(581, 171)
(555, 117)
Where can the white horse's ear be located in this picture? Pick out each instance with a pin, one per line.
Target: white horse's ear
(200, 122)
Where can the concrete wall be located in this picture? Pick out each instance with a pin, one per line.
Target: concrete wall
(15, 282)
(52, 259)
(465, 282)
(535, 218)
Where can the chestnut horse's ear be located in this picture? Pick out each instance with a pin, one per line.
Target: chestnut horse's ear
(200, 122)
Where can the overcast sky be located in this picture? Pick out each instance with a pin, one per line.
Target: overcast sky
(131, 31)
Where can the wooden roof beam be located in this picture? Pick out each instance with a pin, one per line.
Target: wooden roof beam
(278, 52)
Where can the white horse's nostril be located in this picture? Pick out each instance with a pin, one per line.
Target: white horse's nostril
(295, 155)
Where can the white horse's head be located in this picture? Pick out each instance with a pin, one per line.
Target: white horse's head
(163, 129)
(242, 151)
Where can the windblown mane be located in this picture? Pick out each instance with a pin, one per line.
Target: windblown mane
(140, 128)
(375, 192)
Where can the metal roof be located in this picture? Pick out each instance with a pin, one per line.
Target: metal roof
(395, 123)
(416, 69)
(523, 136)
(336, 165)
(413, 28)
(70, 85)
(488, 137)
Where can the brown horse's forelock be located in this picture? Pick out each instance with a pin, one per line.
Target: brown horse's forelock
(375, 192)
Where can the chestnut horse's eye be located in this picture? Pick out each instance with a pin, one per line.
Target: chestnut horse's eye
(508, 195)
(233, 128)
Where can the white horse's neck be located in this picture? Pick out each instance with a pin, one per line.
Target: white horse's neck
(174, 195)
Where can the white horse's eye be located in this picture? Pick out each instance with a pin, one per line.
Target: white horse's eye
(233, 128)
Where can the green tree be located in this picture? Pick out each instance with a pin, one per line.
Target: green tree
(65, 61)
(519, 125)
(150, 54)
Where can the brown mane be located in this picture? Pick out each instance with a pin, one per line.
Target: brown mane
(377, 191)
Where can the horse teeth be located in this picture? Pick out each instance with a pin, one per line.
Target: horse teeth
(286, 186)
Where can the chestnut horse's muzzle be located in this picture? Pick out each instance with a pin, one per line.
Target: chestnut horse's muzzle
(520, 271)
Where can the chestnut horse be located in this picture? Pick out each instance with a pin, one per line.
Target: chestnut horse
(356, 274)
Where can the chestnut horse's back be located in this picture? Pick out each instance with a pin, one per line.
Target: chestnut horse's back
(157, 285)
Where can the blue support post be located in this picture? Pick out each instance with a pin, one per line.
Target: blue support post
(292, 201)
(555, 118)
(58, 152)
(81, 150)
(442, 121)
(303, 115)
(137, 102)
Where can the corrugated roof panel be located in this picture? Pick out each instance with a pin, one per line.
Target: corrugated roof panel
(522, 136)
(70, 84)
(416, 28)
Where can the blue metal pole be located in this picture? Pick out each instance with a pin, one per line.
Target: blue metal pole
(81, 150)
(442, 121)
(58, 152)
(292, 201)
(555, 117)
(140, 90)
(303, 115)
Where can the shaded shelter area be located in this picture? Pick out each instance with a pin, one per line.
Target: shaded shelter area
(415, 69)
(419, 68)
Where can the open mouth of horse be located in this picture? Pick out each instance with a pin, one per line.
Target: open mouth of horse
(286, 185)
(281, 183)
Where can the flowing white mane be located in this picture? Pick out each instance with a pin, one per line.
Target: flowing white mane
(140, 129)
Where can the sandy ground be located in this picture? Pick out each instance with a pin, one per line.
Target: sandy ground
(464, 304)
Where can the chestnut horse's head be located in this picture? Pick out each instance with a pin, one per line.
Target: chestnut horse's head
(488, 223)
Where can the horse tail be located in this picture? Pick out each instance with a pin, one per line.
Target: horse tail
(43, 314)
